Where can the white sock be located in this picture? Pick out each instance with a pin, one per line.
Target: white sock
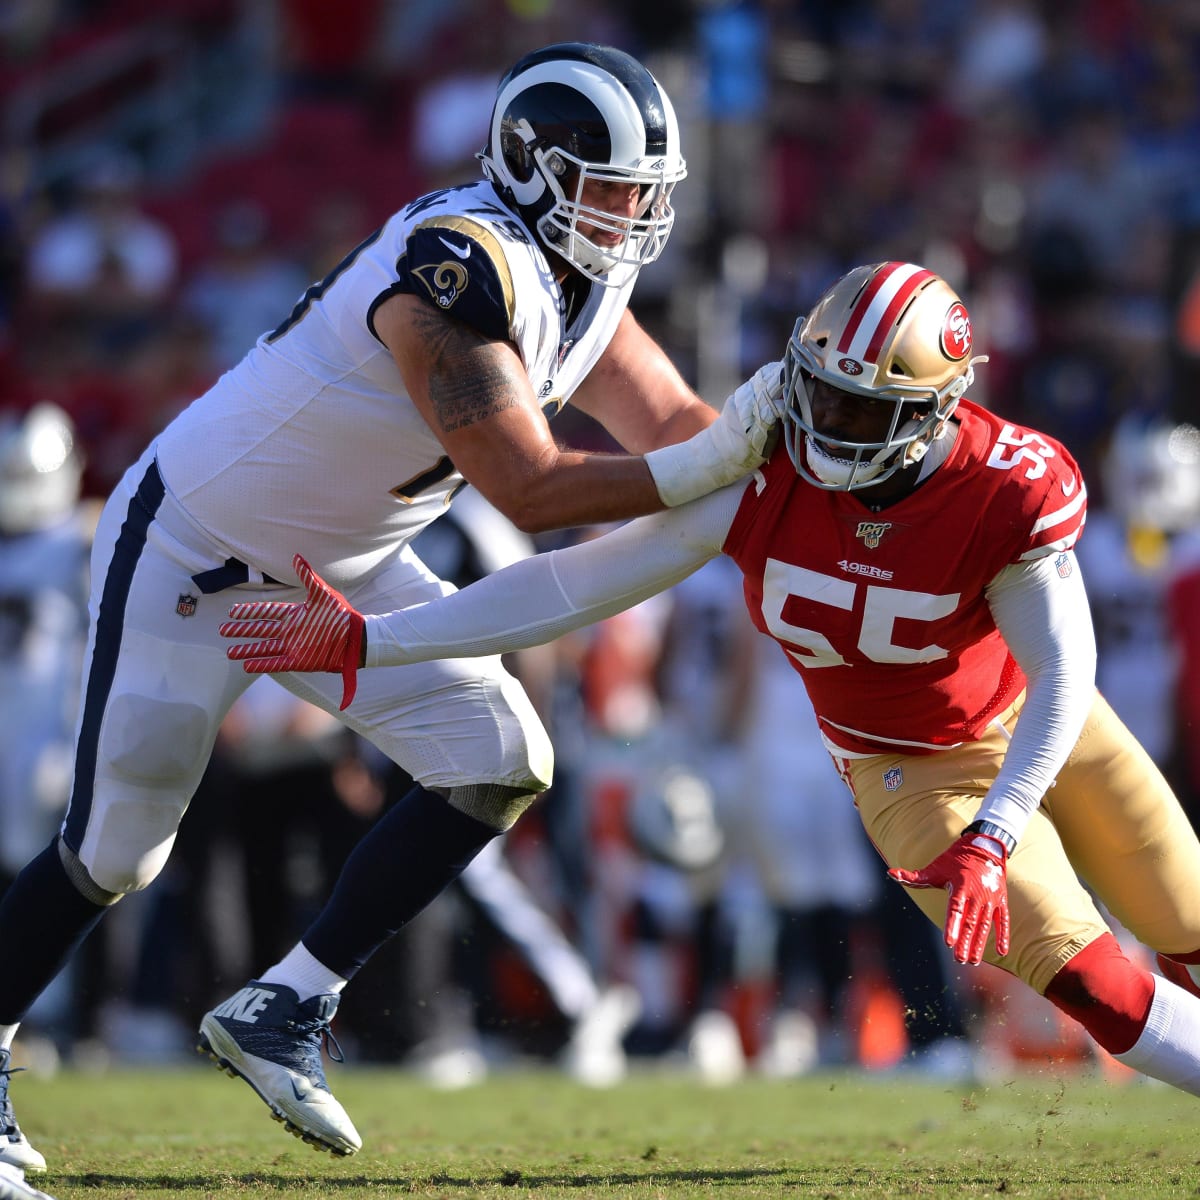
(7, 1033)
(1169, 1046)
(303, 974)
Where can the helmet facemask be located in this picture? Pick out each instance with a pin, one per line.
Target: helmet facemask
(643, 235)
(893, 333)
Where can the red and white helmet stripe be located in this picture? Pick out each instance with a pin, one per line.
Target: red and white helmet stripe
(875, 314)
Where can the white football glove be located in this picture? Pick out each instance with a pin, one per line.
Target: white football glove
(735, 444)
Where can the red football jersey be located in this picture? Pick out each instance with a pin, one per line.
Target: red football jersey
(884, 614)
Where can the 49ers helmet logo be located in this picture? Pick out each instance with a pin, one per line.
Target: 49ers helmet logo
(956, 333)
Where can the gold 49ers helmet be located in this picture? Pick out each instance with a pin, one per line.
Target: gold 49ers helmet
(891, 332)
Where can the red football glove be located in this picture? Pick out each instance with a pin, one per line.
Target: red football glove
(322, 634)
(973, 872)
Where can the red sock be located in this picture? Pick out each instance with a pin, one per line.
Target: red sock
(1106, 993)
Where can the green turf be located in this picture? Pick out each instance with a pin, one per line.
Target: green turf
(194, 1133)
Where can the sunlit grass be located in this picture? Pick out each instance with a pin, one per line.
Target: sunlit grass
(195, 1133)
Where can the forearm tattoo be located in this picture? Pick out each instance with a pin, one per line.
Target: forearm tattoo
(467, 383)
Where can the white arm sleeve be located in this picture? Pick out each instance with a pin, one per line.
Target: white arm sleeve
(1047, 624)
(545, 596)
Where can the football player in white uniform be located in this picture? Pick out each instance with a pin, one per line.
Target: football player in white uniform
(912, 554)
(45, 534)
(433, 354)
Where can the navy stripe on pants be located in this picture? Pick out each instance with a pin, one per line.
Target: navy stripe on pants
(110, 625)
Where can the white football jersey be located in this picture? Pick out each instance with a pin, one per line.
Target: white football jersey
(311, 444)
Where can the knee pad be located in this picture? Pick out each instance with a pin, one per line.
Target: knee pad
(83, 883)
(1106, 993)
(153, 755)
(156, 743)
(494, 804)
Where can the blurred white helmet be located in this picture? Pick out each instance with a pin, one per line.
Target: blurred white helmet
(673, 819)
(1151, 473)
(41, 469)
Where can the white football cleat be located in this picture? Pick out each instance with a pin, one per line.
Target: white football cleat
(266, 1036)
(14, 1187)
(595, 1055)
(15, 1150)
(793, 1049)
(714, 1048)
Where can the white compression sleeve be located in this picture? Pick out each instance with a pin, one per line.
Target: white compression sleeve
(1045, 619)
(545, 596)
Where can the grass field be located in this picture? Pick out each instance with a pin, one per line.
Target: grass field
(194, 1133)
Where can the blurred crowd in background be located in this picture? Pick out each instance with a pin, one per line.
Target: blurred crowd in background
(695, 886)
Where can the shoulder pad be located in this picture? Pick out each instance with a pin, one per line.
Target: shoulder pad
(459, 265)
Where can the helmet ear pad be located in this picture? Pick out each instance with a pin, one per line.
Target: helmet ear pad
(516, 153)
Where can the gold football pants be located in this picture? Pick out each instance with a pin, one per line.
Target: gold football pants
(1110, 820)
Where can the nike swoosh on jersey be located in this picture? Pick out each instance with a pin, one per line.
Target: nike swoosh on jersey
(1068, 486)
(459, 250)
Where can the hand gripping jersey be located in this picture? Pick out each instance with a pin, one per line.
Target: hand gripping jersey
(312, 444)
(891, 606)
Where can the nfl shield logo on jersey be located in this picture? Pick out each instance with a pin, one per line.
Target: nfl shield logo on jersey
(185, 606)
(892, 779)
(1063, 565)
(872, 532)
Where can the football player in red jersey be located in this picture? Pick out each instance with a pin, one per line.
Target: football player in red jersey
(912, 555)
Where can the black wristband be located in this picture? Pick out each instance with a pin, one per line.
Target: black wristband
(987, 829)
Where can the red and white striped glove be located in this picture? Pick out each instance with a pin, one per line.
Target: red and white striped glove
(324, 633)
(973, 871)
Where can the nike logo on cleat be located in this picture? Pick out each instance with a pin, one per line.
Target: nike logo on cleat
(246, 1005)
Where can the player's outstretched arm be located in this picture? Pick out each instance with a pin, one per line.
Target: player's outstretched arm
(523, 605)
(476, 397)
(735, 444)
(639, 396)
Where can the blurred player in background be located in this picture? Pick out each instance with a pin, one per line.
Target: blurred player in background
(1183, 622)
(474, 540)
(1151, 488)
(432, 355)
(45, 535)
(912, 554)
